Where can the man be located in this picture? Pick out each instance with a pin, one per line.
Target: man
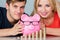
(9, 18)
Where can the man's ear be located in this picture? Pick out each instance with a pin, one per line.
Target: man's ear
(7, 6)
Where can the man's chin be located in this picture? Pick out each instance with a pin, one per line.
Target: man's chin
(17, 18)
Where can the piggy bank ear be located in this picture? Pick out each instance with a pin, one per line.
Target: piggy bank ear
(36, 17)
(24, 17)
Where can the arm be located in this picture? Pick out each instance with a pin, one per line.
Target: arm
(16, 29)
(5, 32)
(53, 31)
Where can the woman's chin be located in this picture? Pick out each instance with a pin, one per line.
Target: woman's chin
(44, 16)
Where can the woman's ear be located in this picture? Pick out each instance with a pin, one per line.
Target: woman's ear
(7, 6)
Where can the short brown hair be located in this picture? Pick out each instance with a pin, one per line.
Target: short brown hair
(12, 1)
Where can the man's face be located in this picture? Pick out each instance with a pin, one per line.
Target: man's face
(15, 10)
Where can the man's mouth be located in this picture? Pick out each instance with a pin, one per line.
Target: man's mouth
(17, 14)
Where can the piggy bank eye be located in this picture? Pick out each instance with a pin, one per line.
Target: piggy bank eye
(26, 23)
(35, 23)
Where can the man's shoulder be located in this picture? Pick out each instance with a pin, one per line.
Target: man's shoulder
(2, 9)
(2, 12)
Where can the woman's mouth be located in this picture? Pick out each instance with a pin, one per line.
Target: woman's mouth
(44, 13)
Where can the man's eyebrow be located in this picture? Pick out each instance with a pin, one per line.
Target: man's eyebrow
(22, 6)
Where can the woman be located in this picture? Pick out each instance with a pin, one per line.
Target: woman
(49, 15)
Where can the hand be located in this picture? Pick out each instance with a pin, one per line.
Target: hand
(17, 29)
(42, 25)
(43, 28)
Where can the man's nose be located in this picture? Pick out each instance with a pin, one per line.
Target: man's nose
(18, 10)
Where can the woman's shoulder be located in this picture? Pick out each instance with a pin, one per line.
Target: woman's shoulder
(56, 15)
(56, 21)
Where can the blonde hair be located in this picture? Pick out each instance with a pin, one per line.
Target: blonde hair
(58, 7)
(52, 2)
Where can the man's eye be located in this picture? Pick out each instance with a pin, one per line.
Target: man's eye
(15, 6)
(47, 5)
(23, 7)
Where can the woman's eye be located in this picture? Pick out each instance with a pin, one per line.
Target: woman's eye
(47, 5)
(39, 5)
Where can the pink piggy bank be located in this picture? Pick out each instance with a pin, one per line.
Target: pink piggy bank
(31, 23)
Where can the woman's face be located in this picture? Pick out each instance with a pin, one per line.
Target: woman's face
(44, 8)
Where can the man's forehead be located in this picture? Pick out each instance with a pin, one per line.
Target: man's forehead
(18, 3)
